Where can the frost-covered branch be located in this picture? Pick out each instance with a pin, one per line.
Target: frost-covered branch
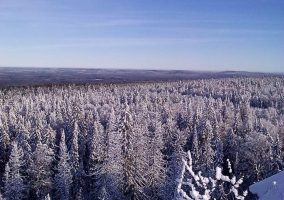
(199, 187)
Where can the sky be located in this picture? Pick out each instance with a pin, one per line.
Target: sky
(246, 35)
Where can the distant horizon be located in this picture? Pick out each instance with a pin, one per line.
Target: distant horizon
(144, 68)
(237, 35)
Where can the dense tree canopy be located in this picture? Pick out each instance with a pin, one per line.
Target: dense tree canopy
(127, 141)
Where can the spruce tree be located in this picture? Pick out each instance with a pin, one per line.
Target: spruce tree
(195, 149)
(74, 159)
(4, 147)
(156, 173)
(133, 178)
(14, 181)
(207, 158)
(63, 177)
(40, 170)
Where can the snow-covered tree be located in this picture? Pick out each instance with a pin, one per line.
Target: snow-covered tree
(74, 150)
(14, 181)
(63, 177)
(4, 147)
(218, 149)
(246, 117)
(1, 197)
(207, 151)
(74, 159)
(40, 170)
(96, 158)
(254, 156)
(47, 197)
(110, 178)
(156, 173)
(195, 148)
(133, 178)
(277, 154)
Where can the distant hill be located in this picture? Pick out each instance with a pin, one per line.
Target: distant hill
(16, 76)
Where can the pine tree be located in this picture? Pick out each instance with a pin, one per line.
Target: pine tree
(174, 151)
(74, 159)
(246, 117)
(96, 158)
(63, 177)
(4, 147)
(197, 116)
(132, 177)
(237, 123)
(49, 136)
(230, 147)
(156, 174)
(207, 158)
(40, 170)
(125, 129)
(111, 169)
(217, 146)
(195, 147)
(276, 157)
(14, 182)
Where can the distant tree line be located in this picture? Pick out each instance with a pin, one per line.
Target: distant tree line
(127, 141)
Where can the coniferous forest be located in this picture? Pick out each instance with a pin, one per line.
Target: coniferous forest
(128, 141)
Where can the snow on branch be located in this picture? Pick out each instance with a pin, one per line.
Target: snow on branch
(199, 187)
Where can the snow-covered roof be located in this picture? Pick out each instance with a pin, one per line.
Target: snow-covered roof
(270, 188)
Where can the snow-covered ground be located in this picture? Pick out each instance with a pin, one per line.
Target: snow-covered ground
(271, 188)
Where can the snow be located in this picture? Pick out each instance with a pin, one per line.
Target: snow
(208, 185)
(218, 173)
(270, 188)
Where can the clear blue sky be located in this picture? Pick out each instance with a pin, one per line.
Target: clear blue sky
(150, 34)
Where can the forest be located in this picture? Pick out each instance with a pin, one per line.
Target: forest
(129, 141)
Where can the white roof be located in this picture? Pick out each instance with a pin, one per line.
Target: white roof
(271, 188)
